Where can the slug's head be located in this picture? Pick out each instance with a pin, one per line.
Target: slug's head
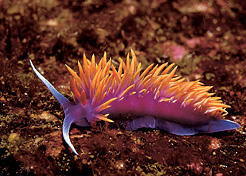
(87, 106)
(74, 113)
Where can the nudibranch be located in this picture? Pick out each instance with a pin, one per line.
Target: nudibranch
(155, 97)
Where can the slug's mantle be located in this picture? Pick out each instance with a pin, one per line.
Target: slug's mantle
(156, 96)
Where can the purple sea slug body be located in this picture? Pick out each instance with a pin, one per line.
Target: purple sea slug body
(156, 96)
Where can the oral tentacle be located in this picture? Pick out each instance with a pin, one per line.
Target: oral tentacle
(65, 131)
(62, 100)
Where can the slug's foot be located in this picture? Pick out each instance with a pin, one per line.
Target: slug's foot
(212, 126)
(142, 122)
(176, 128)
(152, 122)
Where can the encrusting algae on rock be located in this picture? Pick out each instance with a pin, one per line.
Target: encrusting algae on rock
(156, 96)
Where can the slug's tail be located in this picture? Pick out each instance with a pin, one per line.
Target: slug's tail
(72, 112)
(218, 125)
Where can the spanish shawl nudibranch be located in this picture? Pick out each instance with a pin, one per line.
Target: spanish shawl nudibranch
(157, 97)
